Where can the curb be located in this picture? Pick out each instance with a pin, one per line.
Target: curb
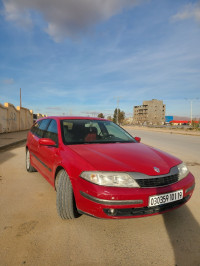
(5, 147)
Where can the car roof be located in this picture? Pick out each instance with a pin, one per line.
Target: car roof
(72, 118)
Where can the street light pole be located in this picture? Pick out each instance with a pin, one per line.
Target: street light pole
(191, 106)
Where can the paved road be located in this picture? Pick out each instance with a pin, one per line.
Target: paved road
(185, 147)
(31, 233)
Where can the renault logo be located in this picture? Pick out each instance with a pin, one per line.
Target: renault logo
(156, 169)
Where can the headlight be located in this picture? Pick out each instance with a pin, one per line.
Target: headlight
(183, 170)
(110, 179)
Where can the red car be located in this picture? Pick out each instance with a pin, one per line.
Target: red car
(99, 169)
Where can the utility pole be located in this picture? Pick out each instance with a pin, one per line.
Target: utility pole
(20, 94)
(20, 98)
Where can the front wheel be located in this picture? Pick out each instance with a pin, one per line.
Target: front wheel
(29, 167)
(65, 201)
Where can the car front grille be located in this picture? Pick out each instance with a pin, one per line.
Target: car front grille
(158, 182)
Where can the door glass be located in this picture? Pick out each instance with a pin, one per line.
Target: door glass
(42, 127)
(52, 131)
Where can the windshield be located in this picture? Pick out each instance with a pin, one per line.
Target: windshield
(93, 131)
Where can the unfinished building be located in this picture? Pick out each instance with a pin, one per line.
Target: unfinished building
(150, 113)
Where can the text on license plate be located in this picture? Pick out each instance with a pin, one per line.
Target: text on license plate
(165, 198)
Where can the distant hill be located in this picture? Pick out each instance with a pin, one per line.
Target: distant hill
(183, 118)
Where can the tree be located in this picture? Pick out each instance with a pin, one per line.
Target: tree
(118, 116)
(101, 115)
(121, 117)
(115, 116)
(195, 124)
(109, 118)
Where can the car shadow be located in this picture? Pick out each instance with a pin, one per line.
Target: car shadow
(6, 155)
(184, 235)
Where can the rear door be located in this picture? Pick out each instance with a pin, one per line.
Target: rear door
(49, 154)
(37, 132)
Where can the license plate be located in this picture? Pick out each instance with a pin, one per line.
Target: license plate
(165, 198)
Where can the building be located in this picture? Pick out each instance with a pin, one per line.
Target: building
(150, 113)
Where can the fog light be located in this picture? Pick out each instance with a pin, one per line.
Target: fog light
(112, 212)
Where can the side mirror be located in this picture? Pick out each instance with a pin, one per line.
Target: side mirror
(47, 142)
(138, 139)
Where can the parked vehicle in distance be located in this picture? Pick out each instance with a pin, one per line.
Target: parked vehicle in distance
(99, 169)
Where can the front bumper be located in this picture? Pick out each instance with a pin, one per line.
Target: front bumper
(117, 203)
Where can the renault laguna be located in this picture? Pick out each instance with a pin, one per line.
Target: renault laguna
(99, 169)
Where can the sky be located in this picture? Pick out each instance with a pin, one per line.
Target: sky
(83, 57)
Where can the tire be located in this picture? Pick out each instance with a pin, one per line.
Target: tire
(65, 201)
(29, 167)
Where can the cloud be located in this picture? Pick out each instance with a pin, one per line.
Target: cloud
(53, 108)
(8, 81)
(56, 92)
(189, 11)
(65, 18)
(18, 15)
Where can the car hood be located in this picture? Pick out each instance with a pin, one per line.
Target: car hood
(126, 157)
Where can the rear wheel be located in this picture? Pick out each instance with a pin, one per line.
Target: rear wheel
(29, 167)
(65, 201)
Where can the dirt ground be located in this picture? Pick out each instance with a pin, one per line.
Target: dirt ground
(31, 233)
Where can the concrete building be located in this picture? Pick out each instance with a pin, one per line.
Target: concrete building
(150, 113)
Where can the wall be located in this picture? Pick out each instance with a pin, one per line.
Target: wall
(40, 116)
(14, 119)
(3, 118)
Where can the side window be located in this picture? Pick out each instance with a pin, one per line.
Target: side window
(117, 132)
(35, 127)
(112, 130)
(52, 131)
(42, 127)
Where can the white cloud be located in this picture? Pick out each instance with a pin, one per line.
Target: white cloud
(65, 18)
(18, 15)
(187, 12)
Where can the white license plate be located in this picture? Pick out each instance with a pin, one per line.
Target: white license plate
(165, 198)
